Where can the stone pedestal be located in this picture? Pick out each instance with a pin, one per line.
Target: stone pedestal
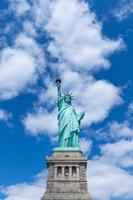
(66, 176)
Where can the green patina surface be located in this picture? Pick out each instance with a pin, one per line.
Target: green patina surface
(66, 149)
(68, 121)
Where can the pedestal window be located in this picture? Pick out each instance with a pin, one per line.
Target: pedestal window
(66, 172)
(74, 172)
(59, 172)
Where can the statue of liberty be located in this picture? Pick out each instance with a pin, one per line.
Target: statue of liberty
(68, 120)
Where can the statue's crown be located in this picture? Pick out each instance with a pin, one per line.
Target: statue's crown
(69, 94)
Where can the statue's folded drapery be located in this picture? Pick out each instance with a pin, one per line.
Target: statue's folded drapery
(68, 122)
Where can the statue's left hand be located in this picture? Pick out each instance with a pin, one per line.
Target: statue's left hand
(80, 115)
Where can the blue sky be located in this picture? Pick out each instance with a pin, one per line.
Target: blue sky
(89, 44)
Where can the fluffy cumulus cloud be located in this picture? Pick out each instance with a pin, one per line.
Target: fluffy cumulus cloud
(119, 152)
(94, 102)
(19, 66)
(116, 131)
(121, 130)
(41, 12)
(41, 122)
(77, 36)
(28, 44)
(107, 181)
(25, 191)
(13, 64)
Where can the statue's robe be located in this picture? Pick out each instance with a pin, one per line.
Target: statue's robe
(68, 124)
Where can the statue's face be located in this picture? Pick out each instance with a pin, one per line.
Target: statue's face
(67, 99)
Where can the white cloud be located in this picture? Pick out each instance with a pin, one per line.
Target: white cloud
(123, 10)
(121, 130)
(110, 172)
(48, 96)
(41, 13)
(4, 115)
(17, 69)
(85, 145)
(26, 191)
(19, 66)
(115, 131)
(29, 45)
(107, 181)
(41, 122)
(98, 99)
(77, 36)
(119, 152)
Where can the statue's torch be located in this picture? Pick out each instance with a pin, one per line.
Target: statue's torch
(58, 84)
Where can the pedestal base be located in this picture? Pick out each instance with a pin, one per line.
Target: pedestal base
(66, 176)
(66, 196)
